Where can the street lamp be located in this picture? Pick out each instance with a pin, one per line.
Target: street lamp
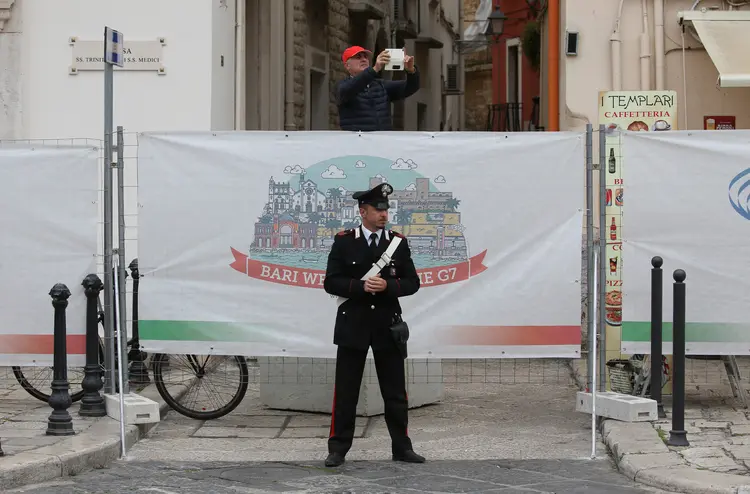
(495, 24)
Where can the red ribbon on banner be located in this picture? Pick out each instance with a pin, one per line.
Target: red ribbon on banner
(313, 278)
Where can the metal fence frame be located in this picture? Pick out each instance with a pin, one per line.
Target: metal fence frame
(593, 327)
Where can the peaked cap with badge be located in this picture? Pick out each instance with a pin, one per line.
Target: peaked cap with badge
(376, 197)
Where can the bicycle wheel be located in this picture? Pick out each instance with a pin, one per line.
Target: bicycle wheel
(221, 380)
(41, 379)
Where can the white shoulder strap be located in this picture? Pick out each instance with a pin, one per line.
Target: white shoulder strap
(384, 259)
(380, 264)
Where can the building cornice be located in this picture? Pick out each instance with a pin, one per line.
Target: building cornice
(5, 6)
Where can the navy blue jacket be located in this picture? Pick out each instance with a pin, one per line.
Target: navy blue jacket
(364, 100)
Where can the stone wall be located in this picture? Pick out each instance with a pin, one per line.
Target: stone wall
(338, 40)
(325, 25)
(300, 40)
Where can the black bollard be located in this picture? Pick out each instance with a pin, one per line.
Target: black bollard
(138, 370)
(656, 335)
(678, 435)
(1, 450)
(60, 423)
(92, 403)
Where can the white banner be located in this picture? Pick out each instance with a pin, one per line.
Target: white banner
(49, 199)
(235, 230)
(688, 203)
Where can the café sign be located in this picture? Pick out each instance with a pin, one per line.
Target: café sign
(137, 56)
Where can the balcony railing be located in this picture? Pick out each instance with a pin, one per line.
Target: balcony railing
(505, 117)
(508, 117)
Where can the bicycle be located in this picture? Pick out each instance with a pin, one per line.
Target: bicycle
(200, 369)
(164, 367)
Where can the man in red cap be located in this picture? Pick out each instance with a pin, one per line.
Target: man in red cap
(364, 98)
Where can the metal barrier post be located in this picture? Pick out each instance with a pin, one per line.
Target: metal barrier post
(121, 273)
(109, 324)
(678, 435)
(138, 370)
(60, 422)
(602, 257)
(591, 313)
(92, 403)
(656, 333)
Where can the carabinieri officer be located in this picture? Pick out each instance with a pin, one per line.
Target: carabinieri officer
(369, 314)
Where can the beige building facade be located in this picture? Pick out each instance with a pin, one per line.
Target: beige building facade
(293, 59)
(225, 64)
(697, 48)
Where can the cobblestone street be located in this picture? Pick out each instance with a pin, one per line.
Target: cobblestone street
(364, 477)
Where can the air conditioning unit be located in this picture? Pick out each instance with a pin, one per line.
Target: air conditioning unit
(398, 9)
(452, 80)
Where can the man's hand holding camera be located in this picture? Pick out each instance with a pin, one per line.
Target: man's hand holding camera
(384, 57)
(375, 284)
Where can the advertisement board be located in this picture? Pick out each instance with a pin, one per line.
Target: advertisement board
(634, 111)
(49, 218)
(690, 206)
(235, 229)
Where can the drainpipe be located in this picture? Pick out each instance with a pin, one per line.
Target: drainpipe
(553, 61)
(645, 51)
(239, 65)
(461, 70)
(289, 66)
(659, 42)
(615, 45)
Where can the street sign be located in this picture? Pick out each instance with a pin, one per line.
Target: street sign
(113, 47)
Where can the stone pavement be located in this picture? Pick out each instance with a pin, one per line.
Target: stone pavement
(361, 477)
(519, 438)
(474, 421)
(32, 456)
(717, 460)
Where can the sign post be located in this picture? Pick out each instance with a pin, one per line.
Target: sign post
(112, 56)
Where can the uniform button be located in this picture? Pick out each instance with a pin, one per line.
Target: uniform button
(372, 306)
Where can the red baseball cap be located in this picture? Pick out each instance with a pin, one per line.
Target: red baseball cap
(353, 50)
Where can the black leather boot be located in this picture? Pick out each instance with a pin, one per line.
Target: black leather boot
(408, 456)
(335, 460)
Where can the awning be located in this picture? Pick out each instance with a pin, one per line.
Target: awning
(726, 36)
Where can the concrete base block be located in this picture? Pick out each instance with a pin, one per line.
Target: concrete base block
(306, 384)
(618, 406)
(138, 409)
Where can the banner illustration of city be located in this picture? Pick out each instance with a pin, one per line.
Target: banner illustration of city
(251, 217)
(634, 111)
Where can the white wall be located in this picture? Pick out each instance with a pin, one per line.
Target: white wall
(11, 86)
(222, 76)
(41, 99)
(57, 104)
(583, 76)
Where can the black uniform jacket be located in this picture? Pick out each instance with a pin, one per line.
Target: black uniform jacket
(365, 318)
